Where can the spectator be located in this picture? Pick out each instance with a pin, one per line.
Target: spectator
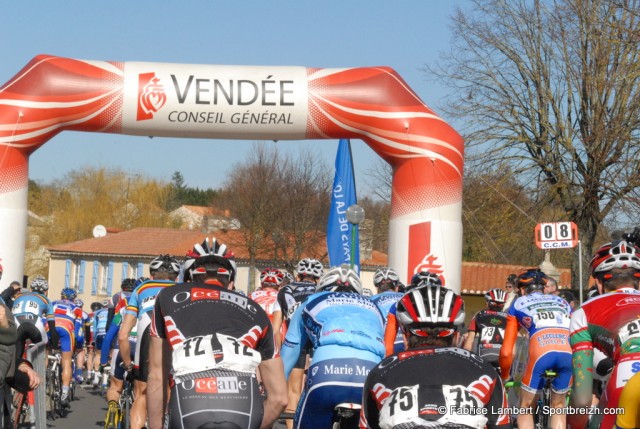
(9, 293)
(551, 288)
(510, 287)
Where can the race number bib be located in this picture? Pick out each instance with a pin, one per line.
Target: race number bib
(462, 407)
(629, 331)
(201, 353)
(488, 334)
(26, 307)
(400, 407)
(552, 319)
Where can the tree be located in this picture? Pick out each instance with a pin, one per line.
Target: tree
(181, 194)
(552, 88)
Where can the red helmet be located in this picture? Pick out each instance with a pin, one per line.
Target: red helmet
(496, 295)
(618, 254)
(271, 277)
(430, 306)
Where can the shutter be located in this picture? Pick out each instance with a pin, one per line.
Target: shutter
(94, 279)
(81, 276)
(110, 278)
(140, 270)
(67, 273)
(125, 270)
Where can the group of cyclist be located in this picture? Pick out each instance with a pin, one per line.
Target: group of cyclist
(203, 355)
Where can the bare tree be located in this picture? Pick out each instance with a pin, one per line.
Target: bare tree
(552, 87)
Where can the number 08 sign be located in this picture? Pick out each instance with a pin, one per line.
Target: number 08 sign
(556, 235)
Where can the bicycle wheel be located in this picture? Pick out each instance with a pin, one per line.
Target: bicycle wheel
(19, 414)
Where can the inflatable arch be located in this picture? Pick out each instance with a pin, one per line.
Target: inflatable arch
(53, 94)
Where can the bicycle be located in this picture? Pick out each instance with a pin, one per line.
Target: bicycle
(346, 415)
(54, 386)
(118, 417)
(20, 416)
(541, 419)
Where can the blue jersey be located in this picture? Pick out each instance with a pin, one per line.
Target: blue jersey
(385, 300)
(65, 311)
(338, 325)
(143, 297)
(100, 322)
(32, 303)
(537, 311)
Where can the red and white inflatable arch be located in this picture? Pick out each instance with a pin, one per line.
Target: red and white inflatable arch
(53, 94)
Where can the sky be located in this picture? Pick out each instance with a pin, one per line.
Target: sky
(404, 35)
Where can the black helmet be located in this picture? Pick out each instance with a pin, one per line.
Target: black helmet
(533, 279)
(128, 285)
(95, 306)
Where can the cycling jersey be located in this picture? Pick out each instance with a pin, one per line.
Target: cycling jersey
(140, 305)
(109, 340)
(218, 338)
(546, 318)
(391, 331)
(83, 325)
(609, 323)
(345, 330)
(99, 322)
(630, 401)
(292, 295)
(489, 326)
(65, 314)
(30, 307)
(385, 302)
(268, 300)
(443, 387)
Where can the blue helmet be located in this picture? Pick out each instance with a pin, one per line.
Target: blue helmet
(68, 293)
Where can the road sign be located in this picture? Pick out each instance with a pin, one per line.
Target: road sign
(556, 235)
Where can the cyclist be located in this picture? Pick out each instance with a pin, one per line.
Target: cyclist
(99, 322)
(95, 306)
(546, 318)
(386, 280)
(609, 322)
(630, 402)
(83, 335)
(117, 371)
(218, 339)
(433, 384)
(163, 269)
(31, 307)
(489, 326)
(267, 296)
(66, 313)
(391, 328)
(290, 297)
(345, 330)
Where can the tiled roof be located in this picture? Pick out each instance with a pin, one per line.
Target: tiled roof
(477, 277)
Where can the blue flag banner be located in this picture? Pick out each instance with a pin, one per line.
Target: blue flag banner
(343, 195)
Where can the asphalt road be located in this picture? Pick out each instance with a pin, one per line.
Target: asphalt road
(87, 411)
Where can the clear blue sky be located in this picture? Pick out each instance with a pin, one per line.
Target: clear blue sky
(404, 35)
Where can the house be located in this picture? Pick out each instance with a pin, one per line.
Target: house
(205, 219)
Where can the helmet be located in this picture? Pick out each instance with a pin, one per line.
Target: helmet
(68, 293)
(209, 253)
(78, 302)
(288, 278)
(39, 285)
(271, 277)
(533, 279)
(95, 306)
(382, 274)
(618, 254)
(496, 295)
(593, 292)
(309, 267)
(128, 285)
(107, 303)
(340, 278)
(431, 306)
(424, 278)
(164, 263)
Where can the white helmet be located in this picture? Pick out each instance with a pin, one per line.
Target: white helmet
(340, 277)
(309, 267)
(382, 274)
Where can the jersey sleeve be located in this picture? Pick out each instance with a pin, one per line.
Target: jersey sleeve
(473, 325)
(292, 344)
(132, 304)
(582, 346)
(390, 331)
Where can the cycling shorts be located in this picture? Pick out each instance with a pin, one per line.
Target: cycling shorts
(141, 360)
(116, 369)
(228, 399)
(99, 340)
(79, 343)
(302, 360)
(549, 349)
(67, 340)
(326, 387)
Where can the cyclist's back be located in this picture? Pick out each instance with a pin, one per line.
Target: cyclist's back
(32, 306)
(487, 328)
(345, 330)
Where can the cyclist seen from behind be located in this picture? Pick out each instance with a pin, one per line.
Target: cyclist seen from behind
(164, 270)
(487, 328)
(610, 323)
(546, 318)
(386, 280)
(66, 313)
(32, 307)
(433, 384)
(290, 297)
(213, 339)
(267, 296)
(346, 332)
